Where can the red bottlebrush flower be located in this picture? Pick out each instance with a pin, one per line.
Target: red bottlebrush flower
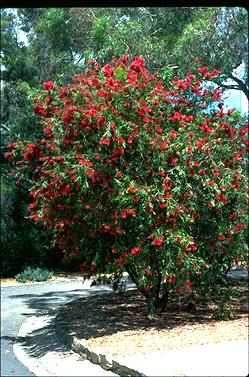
(202, 69)
(119, 230)
(173, 134)
(212, 245)
(188, 118)
(90, 171)
(35, 217)
(191, 247)
(114, 251)
(102, 93)
(148, 272)
(88, 206)
(135, 250)
(118, 139)
(108, 70)
(202, 171)
(105, 141)
(131, 211)
(210, 204)
(221, 237)
(211, 184)
(39, 110)
(238, 227)
(159, 129)
(179, 260)
(119, 174)
(9, 155)
(123, 214)
(120, 261)
(216, 174)
(168, 196)
(135, 199)
(67, 188)
(189, 150)
(170, 280)
(118, 151)
(163, 205)
(107, 226)
(114, 214)
(174, 161)
(148, 289)
(49, 85)
(137, 63)
(158, 241)
(132, 189)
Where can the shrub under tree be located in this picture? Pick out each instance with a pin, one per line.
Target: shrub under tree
(140, 173)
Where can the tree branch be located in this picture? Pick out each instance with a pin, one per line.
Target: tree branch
(154, 32)
(90, 11)
(241, 85)
(235, 87)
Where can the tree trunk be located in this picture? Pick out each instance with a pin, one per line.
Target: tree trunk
(157, 302)
(152, 306)
(158, 297)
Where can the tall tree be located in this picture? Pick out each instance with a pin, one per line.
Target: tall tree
(220, 36)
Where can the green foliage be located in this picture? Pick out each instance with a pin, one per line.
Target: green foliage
(220, 36)
(34, 274)
(22, 242)
(137, 174)
(61, 40)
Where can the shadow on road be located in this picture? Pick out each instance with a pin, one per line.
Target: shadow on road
(41, 338)
(49, 302)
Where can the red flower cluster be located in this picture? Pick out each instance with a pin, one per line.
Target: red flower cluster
(128, 165)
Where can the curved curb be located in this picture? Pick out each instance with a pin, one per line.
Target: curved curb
(31, 363)
(80, 347)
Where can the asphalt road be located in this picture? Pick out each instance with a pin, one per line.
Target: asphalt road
(38, 299)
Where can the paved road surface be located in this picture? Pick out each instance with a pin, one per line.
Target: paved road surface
(41, 300)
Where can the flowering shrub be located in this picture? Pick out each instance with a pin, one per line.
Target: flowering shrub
(140, 175)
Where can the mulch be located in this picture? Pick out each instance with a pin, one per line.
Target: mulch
(116, 324)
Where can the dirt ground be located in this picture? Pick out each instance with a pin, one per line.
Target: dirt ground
(117, 325)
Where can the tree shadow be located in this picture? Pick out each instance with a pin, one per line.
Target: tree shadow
(99, 312)
(42, 337)
(49, 302)
(40, 341)
(98, 316)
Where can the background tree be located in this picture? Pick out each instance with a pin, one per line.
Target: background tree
(220, 36)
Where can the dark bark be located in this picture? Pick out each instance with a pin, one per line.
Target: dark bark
(240, 86)
(158, 297)
(157, 300)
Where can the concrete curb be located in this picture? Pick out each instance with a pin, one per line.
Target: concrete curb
(80, 347)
